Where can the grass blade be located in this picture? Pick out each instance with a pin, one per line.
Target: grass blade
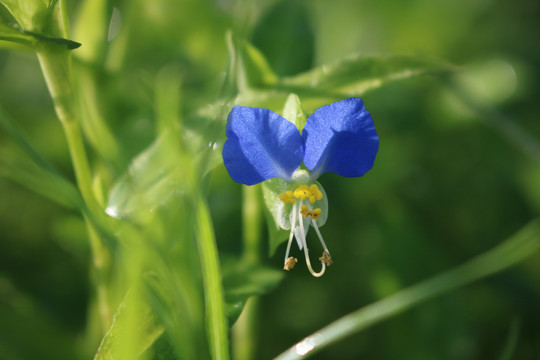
(508, 253)
(45, 172)
(216, 322)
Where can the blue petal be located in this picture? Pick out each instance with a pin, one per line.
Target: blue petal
(261, 145)
(340, 138)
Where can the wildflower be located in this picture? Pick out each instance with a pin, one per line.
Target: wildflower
(263, 146)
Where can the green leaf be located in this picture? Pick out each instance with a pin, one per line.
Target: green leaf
(90, 27)
(216, 321)
(16, 34)
(352, 77)
(38, 175)
(293, 112)
(30, 22)
(513, 250)
(168, 98)
(161, 258)
(69, 44)
(174, 299)
(248, 64)
(154, 176)
(18, 168)
(133, 331)
(358, 74)
(11, 31)
(27, 12)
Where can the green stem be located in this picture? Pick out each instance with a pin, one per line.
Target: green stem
(93, 123)
(510, 252)
(56, 67)
(64, 18)
(101, 261)
(216, 322)
(251, 223)
(77, 151)
(245, 330)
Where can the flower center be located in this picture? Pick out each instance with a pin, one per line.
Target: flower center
(301, 215)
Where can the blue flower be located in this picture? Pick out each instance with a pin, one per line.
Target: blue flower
(262, 145)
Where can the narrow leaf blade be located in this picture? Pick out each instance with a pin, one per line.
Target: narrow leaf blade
(351, 77)
(509, 253)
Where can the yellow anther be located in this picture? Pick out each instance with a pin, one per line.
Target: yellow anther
(287, 197)
(326, 258)
(302, 192)
(289, 263)
(315, 213)
(305, 211)
(316, 194)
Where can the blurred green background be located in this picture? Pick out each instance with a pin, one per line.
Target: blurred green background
(458, 171)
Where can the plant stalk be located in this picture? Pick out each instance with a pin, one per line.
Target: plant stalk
(245, 330)
(56, 67)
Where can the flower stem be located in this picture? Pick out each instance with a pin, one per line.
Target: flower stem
(101, 261)
(245, 330)
(56, 68)
(64, 18)
(251, 224)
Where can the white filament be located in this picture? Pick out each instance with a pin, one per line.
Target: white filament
(293, 225)
(308, 262)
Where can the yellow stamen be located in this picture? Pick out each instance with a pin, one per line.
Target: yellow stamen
(305, 211)
(316, 194)
(315, 213)
(289, 263)
(326, 258)
(287, 197)
(302, 192)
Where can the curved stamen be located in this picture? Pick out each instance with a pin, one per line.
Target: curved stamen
(306, 254)
(308, 262)
(314, 223)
